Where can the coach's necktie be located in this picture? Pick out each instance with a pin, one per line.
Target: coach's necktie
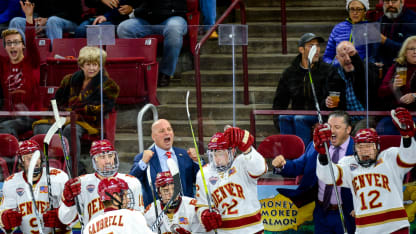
(329, 187)
(169, 154)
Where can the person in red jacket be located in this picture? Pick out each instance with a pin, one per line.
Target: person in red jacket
(20, 74)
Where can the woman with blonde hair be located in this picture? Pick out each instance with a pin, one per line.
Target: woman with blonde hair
(399, 85)
(80, 92)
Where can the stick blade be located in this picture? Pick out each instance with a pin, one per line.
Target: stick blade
(32, 165)
(187, 104)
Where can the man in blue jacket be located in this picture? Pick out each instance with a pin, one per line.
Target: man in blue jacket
(326, 215)
(156, 157)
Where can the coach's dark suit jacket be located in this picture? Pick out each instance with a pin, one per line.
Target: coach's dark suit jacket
(307, 190)
(187, 169)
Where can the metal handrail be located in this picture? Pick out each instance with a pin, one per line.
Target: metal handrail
(307, 112)
(140, 123)
(234, 4)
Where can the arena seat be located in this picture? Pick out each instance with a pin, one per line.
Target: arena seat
(68, 46)
(132, 64)
(9, 147)
(55, 152)
(387, 141)
(110, 121)
(290, 146)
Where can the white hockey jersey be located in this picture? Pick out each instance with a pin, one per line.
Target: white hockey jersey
(377, 190)
(184, 216)
(122, 221)
(16, 195)
(90, 202)
(234, 193)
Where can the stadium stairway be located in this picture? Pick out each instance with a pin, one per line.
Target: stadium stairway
(265, 62)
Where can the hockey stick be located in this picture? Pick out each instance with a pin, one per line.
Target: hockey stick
(197, 154)
(174, 170)
(311, 54)
(32, 165)
(66, 156)
(46, 141)
(149, 180)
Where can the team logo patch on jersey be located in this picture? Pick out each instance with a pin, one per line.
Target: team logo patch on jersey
(232, 171)
(213, 180)
(378, 162)
(353, 166)
(90, 188)
(183, 220)
(20, 191)
(43, 189)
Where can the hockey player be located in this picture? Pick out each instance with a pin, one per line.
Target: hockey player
(17, 208)
(180, 216)
(105, 162)
(232, 184)
(375, 178)
(118, 216)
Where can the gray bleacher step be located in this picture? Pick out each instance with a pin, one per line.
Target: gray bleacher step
(296, 3)
(294, 14)
(259, 95)
(127, 119)
(256, 45)
(293, 29)
(209, 78)
(255, 61)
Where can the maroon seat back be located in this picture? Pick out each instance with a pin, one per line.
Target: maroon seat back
(55, 152)
(9, 147)
(290, 146)
(387, 141)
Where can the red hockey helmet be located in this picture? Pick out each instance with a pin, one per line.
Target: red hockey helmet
(163, 178)
(103, 147)
(28, 147)
(218, 142)
(366, 135)
(111, 185)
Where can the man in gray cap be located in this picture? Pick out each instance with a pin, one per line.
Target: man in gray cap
(295, 87)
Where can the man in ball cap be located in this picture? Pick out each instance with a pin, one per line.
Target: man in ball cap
(295, 87)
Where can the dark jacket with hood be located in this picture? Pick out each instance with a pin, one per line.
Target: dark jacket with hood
(295, 87)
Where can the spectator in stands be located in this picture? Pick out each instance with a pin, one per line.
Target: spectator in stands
(156, 159)
(8, 10)
(55, 16)
(397, 24)
(209, 11)
(326, 215)
(20, 74)
(343, 31)
(164, 17)
(295, 87)
(394, 90)
(107, 12)
(80, 92)
(352, 72)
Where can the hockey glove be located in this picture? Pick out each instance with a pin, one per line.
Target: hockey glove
(211, 220)
(321, 135)
(11, 218)
(403, 121)
(240, 138)
(50, 219)
(71, 190)
(182, 230)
